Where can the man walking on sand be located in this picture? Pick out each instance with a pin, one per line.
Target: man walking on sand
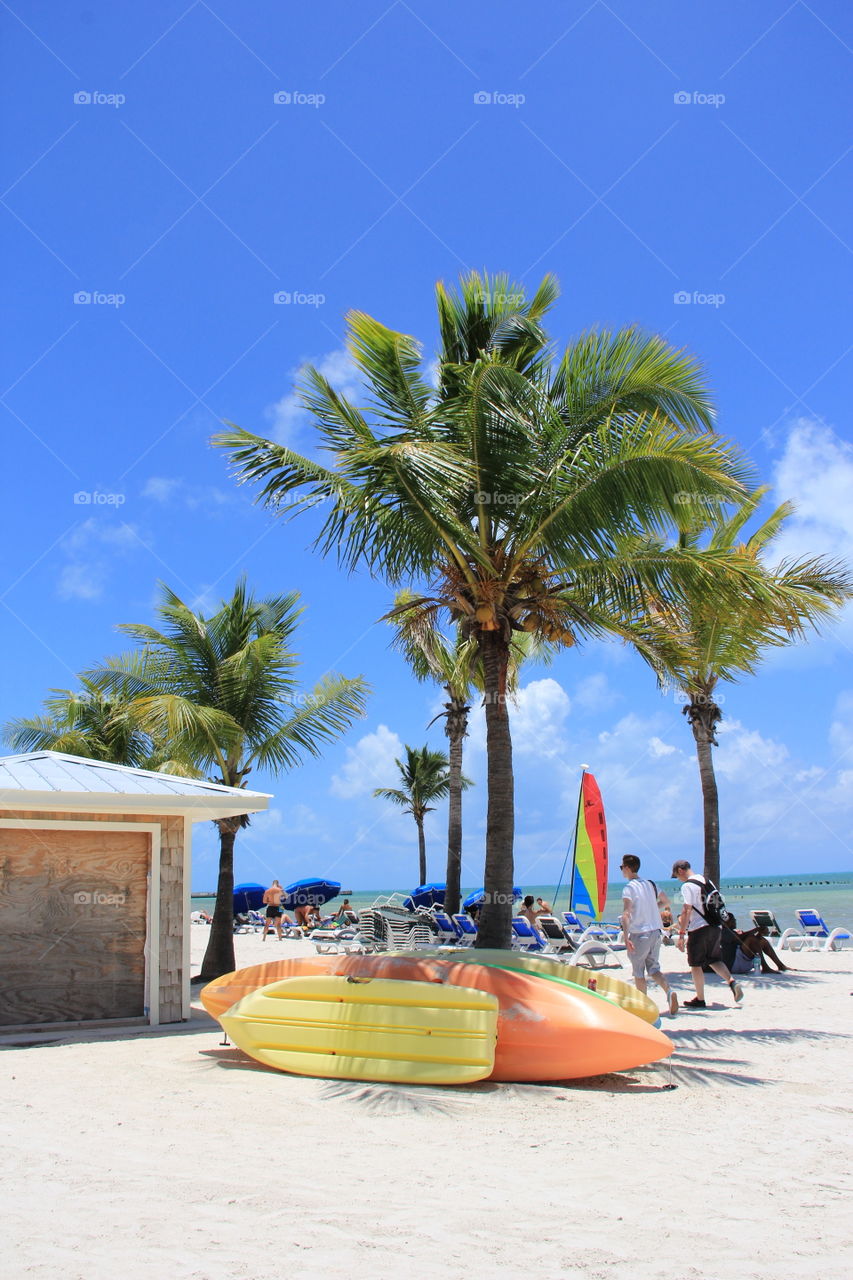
(641, 925)
(703, 939)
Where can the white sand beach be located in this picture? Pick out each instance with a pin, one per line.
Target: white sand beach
(163, 1154)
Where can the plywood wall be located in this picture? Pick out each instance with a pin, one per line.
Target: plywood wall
(40, 871)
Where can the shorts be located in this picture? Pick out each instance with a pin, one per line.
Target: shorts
(644, 957)
(273, 913)
(703, 946)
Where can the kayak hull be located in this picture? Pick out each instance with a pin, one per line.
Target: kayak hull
(368, 1029)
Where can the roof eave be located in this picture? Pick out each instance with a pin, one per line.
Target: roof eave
(198, 808)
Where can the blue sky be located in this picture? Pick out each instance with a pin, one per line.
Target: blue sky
(171, 168)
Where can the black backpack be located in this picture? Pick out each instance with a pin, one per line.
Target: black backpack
(714, 909)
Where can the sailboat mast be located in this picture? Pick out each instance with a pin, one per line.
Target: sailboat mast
(575, 843)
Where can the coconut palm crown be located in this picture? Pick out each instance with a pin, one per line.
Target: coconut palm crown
(221, 690)
(510, 491)
(707, 644)
(424, 777)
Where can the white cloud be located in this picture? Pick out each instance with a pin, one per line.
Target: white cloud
(841, 729)
(815, 472)
(369, 764)
(745, 754)
(174, 491)
(161, 488)
(537, 718)
(90, 551)
(595, 693)
(288, 416)
(659, 748)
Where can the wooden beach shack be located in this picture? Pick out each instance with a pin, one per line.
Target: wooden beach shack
(95, 888)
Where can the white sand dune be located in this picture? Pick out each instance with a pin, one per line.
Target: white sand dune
(164, 1155)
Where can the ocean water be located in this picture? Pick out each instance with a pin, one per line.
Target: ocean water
(830, 893)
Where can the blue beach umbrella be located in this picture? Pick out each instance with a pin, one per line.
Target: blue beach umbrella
(310, 893)
(248, 897)
(478, 897)
(426, 895)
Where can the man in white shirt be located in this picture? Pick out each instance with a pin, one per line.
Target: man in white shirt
(641, 925)
(703, 939)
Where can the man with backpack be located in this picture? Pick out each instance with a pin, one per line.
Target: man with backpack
(701, 920)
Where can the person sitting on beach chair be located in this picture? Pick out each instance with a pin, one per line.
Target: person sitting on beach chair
(308, 915)
(529, 913)
(751, 943)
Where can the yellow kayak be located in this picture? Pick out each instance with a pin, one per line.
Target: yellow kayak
(368, 1029)
(603, 984)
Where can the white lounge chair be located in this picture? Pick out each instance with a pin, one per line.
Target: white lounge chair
(814, 933)
(766, 920)
(559, 940)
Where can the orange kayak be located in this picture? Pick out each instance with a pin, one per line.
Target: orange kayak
(546, 1031)
(218, 996)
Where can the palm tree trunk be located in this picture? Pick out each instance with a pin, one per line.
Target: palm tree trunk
(456, 727)
(219, 956)
(421, 851)
(703, 715)
(494, 924)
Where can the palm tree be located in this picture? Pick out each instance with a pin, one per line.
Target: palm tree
(221, 690)
(86, 722)
(707, 644)
(509, 491)
(454, 665)
(424, 777)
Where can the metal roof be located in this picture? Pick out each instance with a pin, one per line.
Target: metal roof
(54, 778)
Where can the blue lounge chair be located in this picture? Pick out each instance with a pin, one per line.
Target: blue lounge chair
(467, 929)
(815, 933)
(525, 937)
(448, 935)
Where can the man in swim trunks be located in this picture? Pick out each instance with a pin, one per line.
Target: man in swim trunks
(703, 939)
(641, 926)
(272, 901)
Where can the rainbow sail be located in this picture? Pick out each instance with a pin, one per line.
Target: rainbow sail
(589, 870)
